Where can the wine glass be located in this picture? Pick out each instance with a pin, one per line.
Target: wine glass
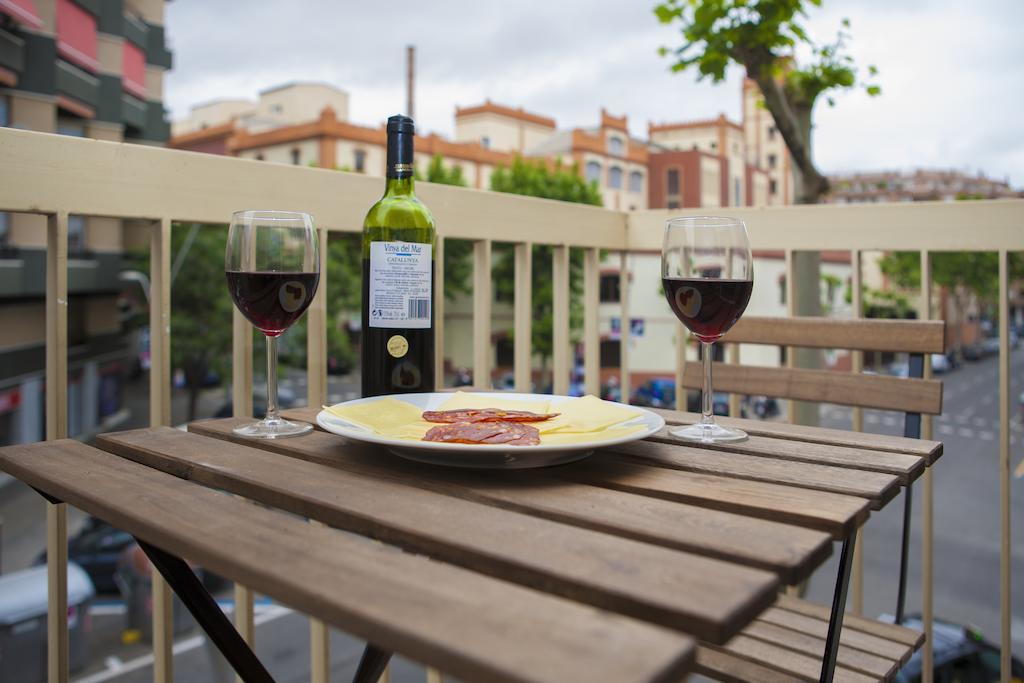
(272, 264)
(708, 274)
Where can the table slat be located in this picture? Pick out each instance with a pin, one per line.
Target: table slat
(709, 598)
(850, 637)
(788, 550)
(877, 487)
(834, 513)
(930, 450)
(474, 626)
(906, 467)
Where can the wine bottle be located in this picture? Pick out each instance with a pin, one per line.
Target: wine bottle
(398, 278)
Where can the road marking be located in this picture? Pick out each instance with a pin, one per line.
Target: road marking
(981, 422)
(966, 432)
(986, 436)
(273, 612)
(946, 429)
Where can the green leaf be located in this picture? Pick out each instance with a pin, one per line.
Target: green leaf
(874, 90)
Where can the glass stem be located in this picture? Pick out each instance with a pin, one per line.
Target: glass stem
(707, 396)
(271, 379)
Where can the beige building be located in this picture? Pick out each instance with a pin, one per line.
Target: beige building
(87, 69)
(502, 128)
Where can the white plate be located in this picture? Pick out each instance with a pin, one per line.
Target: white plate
(490, 456)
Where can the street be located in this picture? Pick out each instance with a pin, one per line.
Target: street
(967, 539)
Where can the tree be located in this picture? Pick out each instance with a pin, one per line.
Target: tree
(762, 36)
(536, 179)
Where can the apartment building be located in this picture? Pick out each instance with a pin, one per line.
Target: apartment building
(88, 68)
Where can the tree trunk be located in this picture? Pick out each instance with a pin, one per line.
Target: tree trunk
(806, 274)
(193, 401)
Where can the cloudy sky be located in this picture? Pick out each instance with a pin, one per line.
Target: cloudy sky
(951, 71)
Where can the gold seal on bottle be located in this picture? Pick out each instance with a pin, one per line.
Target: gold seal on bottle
(398, 346)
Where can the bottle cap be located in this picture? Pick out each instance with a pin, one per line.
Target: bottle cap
(401, 124)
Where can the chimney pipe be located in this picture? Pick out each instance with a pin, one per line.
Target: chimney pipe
(410, 81)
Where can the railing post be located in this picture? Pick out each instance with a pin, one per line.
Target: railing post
(523, 318)
(438, 313)
(241, 402)
(624, 328)
(482, 314)
(591, 327)
(681, 337)
(160, 415)
(790, 312)
(1005, 557)
(927, 502)
(316, 333)
(56, 428)
(316, 396)
(560, 352)
(857, 367)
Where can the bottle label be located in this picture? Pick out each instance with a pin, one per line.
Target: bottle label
(401, 281)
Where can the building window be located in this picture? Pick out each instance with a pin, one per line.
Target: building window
(611, 353)
(610, 288)
(673, 204)
(771, 132)
(505, 352)
(636, 181)
(296, 156)
(593, 172)
(76, 233)
(672, 182)
(5, 112)
(360, 161)
(5, 227)
(773, 187)
(616, 146)
(714, 145)
(69, 126)
(485, 142)
(772, 161)
(259, 157)
(615, 177)
(276, 109)
(736, 191)
(782, 289)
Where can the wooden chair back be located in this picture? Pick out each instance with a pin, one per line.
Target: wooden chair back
(909, 395)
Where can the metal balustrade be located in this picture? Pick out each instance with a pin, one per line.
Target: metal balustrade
(55, 176)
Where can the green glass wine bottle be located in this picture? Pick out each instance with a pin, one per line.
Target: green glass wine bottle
(398, 278)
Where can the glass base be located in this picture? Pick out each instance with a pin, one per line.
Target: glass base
(276, 428)
(708, 433)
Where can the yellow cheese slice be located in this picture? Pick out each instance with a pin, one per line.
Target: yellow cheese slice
(378, 416)
(567, 438)
(586, 414)
(412, 430)
(462, 400)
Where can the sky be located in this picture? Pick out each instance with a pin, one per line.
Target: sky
(951, 71)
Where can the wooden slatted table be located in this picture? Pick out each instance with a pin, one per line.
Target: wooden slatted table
(608, 569)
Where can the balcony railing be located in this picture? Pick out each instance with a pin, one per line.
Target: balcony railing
(56, 176)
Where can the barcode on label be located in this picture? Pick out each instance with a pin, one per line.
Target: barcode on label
(419, 308)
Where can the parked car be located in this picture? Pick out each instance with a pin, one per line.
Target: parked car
(961, 654)
(941, 363)
(96, 549)
(660, 392)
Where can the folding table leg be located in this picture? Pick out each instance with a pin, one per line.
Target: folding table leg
(901, 596)
(835, 624)
(371, 664)
(209, 615)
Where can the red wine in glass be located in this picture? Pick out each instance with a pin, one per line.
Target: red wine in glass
(272, 301)
(708, 307)
(707, 273)
(272, 267)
